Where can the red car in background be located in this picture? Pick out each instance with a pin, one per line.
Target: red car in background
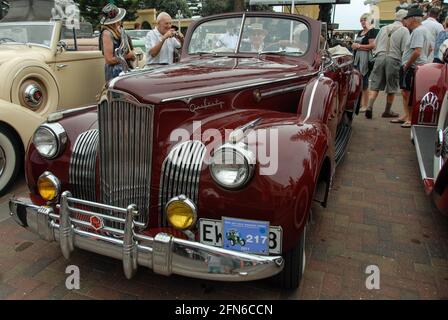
(429, 131)
(173, 158)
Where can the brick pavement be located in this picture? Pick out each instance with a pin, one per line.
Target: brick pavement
(377, 214)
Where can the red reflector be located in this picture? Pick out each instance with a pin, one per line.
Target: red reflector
(96, 222)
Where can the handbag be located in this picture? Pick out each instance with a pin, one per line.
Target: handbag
(371, 62)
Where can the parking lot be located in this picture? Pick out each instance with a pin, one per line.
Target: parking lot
(378, 214)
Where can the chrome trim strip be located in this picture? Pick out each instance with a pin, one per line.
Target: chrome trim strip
(188, 98)
(273, 92)
(243, 21)
(56, 116)
(163, 253)
(313, 93)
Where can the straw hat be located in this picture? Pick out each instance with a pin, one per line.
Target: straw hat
(112, 14)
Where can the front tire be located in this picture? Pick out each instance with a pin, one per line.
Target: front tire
(10, 159)
(294, 268)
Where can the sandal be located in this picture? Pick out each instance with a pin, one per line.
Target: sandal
(362, 110)
(397, 121)
(407, 124)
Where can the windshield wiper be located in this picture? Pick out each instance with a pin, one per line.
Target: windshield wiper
(5, 39)
(281, 52)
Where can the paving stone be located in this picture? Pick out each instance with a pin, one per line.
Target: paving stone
(377, 214)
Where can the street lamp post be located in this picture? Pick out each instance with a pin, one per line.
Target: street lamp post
(179, 16)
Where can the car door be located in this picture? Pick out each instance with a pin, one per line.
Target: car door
(79, 68)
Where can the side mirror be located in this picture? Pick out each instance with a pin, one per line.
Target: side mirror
(61, 46)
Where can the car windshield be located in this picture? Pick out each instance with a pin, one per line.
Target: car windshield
(137, 33)
(262, 35)
(40, 34)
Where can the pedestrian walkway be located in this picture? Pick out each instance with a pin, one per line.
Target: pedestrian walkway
(378, 214)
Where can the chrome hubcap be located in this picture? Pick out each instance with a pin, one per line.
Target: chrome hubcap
(2, 161)
(33, 95)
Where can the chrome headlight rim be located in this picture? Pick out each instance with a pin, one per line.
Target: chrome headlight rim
(249, 163)
(187, 201)
(59, 134)
(54, 180)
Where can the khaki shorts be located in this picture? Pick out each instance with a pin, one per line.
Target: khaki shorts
(385, 75)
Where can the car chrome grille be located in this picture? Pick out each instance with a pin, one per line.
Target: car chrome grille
(125, 149)
(180, 173)
(83, 164)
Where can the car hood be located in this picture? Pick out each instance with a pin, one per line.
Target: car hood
(204, 76)
(9, 52)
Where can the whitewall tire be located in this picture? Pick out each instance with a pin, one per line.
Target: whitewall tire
(10, 159)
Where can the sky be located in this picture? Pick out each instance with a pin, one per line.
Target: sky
(347, 15)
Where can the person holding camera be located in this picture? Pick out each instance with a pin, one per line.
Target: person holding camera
(162, 41)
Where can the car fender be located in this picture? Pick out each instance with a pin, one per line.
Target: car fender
(354, 91)
(283, 197)
(319, 101)
(428, 92)
(23, 121)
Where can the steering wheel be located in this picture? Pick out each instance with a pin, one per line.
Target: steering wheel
(6, 39)
(272, 47)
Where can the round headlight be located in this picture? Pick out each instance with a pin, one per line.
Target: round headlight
(181, 212)
(50, 139)
(48, 186)
(232, 166)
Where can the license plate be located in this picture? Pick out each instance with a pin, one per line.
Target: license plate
(211, 233)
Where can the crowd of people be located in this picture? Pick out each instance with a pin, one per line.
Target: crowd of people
(387, 58)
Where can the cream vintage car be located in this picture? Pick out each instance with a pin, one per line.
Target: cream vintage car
(44, 67)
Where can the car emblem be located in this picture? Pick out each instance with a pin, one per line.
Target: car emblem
(96, 223)
(431, 102)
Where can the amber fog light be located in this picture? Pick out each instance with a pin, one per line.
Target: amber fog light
(48, 186)
(181, 212)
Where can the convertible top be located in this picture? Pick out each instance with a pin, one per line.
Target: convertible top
(29, 10)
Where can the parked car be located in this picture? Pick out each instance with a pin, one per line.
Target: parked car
(43, 67)
(174, 157)
(138, 38)
(429, 131)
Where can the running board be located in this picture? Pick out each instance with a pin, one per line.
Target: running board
(343, 135)
(424, 140)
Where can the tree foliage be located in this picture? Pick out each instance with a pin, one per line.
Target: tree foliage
(91, 9)
(222, 6)
(169, 6)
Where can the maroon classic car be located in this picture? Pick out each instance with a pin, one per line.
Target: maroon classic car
(429, 131)
(238, 139)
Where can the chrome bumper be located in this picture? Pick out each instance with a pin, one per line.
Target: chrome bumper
(164, 254)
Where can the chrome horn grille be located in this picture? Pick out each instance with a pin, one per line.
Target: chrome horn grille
(125, 152)
(180, 173)
(83, 165)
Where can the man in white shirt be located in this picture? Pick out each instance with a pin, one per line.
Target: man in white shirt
(434, 27)
(162, 41)
(230, 38)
